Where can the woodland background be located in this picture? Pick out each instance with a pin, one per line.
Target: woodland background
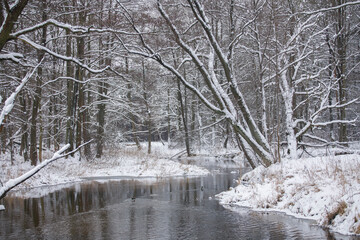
(274, 78)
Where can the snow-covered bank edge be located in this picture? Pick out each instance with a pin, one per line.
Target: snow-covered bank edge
(324, 189)
(127, 162)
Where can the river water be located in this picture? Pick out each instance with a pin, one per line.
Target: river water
(168, 208)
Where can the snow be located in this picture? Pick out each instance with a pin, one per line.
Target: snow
(11, 56)
(124, 161)
(9, 102)
(12, 182)
(65, 58)
(325, 189)
(2, 207)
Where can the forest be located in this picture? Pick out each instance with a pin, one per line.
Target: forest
(185, 119)
(272, 78)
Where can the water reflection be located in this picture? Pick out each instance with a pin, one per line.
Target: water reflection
(175, 208)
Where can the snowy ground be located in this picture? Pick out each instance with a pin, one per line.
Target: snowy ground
(326, 189)
(126, 160)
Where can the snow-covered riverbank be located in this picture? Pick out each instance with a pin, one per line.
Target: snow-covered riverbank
(326, 189)
(122, 161)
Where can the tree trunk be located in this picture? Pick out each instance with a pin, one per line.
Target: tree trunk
(41, 137)
(7, 23)
(341, 44)
(37, 97)
(86, 127)
(101, 122)
(147, 107)
(11, 145)
(131, 115)
(245, 150)
(24, 147)
(3, 135)
(81, 98)
(69, 96)
(183, 112)
(168, 118)
(103, 87)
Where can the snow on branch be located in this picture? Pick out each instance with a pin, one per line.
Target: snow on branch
(65, 58)
(311, 122)
(322, 140)
(9, 103)
(71, 28)
(331, 8)
(14, 182)
(323, 124)
(15, 57)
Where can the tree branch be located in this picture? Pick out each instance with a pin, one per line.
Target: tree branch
(9, 103)
(15, 182)
(65, 58)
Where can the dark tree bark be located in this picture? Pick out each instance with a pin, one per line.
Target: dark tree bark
(38, 92)
(183, 112)
(8, 17)
(147, 107)
(69, 97)
(24, 147)
(103, 86)
(103, 89)
(79, 75)
(131, 115)
(341, 44)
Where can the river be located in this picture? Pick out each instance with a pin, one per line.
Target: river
(167, 208)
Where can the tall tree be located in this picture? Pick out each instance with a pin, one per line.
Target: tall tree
(37, 96)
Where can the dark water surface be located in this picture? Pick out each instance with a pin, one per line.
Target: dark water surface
(170, 208)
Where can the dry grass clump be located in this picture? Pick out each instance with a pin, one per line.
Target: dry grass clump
(357, 230)
(338, 210)
(356, 227)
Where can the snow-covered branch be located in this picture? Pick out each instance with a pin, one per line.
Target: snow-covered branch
(330, 8)
(15, 57)
(71, 28)
(15, 182)
(65, 58)
(9, 103)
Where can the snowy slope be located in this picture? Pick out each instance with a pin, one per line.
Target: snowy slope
(326, 189)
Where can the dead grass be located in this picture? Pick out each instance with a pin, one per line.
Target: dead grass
(338, 210)
(280, 193)
(357, 228)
